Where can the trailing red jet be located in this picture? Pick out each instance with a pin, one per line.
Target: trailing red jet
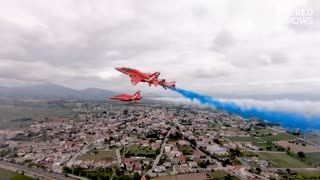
(126, 97)
(166, 85)
(138, 76)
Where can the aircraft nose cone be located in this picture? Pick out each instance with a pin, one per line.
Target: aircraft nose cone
(120, 69)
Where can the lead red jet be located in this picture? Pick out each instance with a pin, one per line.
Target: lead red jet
(126, 97)
(138, 76)
(166, 85)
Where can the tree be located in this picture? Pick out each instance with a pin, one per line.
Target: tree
(136, 176)
(234, 153)
(148, 177)
(125, 177)
(288, 170)
(217, 141)
(202, 164)
(193, 142)
(225, 162)
(258, 170)
(149, 166)
(117, 171)
(77, 171)
(301, 154)
(66, 169)
(288, 149)
(228, 177)
(94, 177)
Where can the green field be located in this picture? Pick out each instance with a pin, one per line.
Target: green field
(303, 174)
(10, 175)
(100, 156)
(249, 154)
(309, 173)
(282, 160)
(137, 150)
(6, 175)
(171, 142)
(262, 131)
(99, 174)
(186, 150)
(220, 175)
(263, 139)
(278, 137)
(312, 159)
(21, 177)
(245, 139)
(268, 146)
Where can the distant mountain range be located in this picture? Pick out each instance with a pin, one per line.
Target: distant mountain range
(54, 91)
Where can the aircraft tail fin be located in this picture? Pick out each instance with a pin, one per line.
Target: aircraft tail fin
(136, 94)
(154, 76)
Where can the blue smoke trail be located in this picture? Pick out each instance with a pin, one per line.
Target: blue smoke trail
(285, 119)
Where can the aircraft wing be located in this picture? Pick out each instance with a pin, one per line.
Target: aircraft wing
(135, 80)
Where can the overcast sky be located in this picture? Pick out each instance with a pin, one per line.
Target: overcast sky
(242, 48)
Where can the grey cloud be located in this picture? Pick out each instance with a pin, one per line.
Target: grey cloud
(199, 11)
(207, 74)
(278, 58)
(93, 45)
(252, 55)
(223, 40)
(272, 58)
(76, 44)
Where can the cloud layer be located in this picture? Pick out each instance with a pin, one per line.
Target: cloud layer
(221, 48)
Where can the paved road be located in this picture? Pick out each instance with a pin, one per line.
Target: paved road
(34, 172)
(156, 161)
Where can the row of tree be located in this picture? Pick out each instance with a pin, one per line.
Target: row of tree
(102, 173)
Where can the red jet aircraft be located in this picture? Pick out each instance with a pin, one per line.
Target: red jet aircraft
(166, 85)
(137, 76)
(126, 97)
